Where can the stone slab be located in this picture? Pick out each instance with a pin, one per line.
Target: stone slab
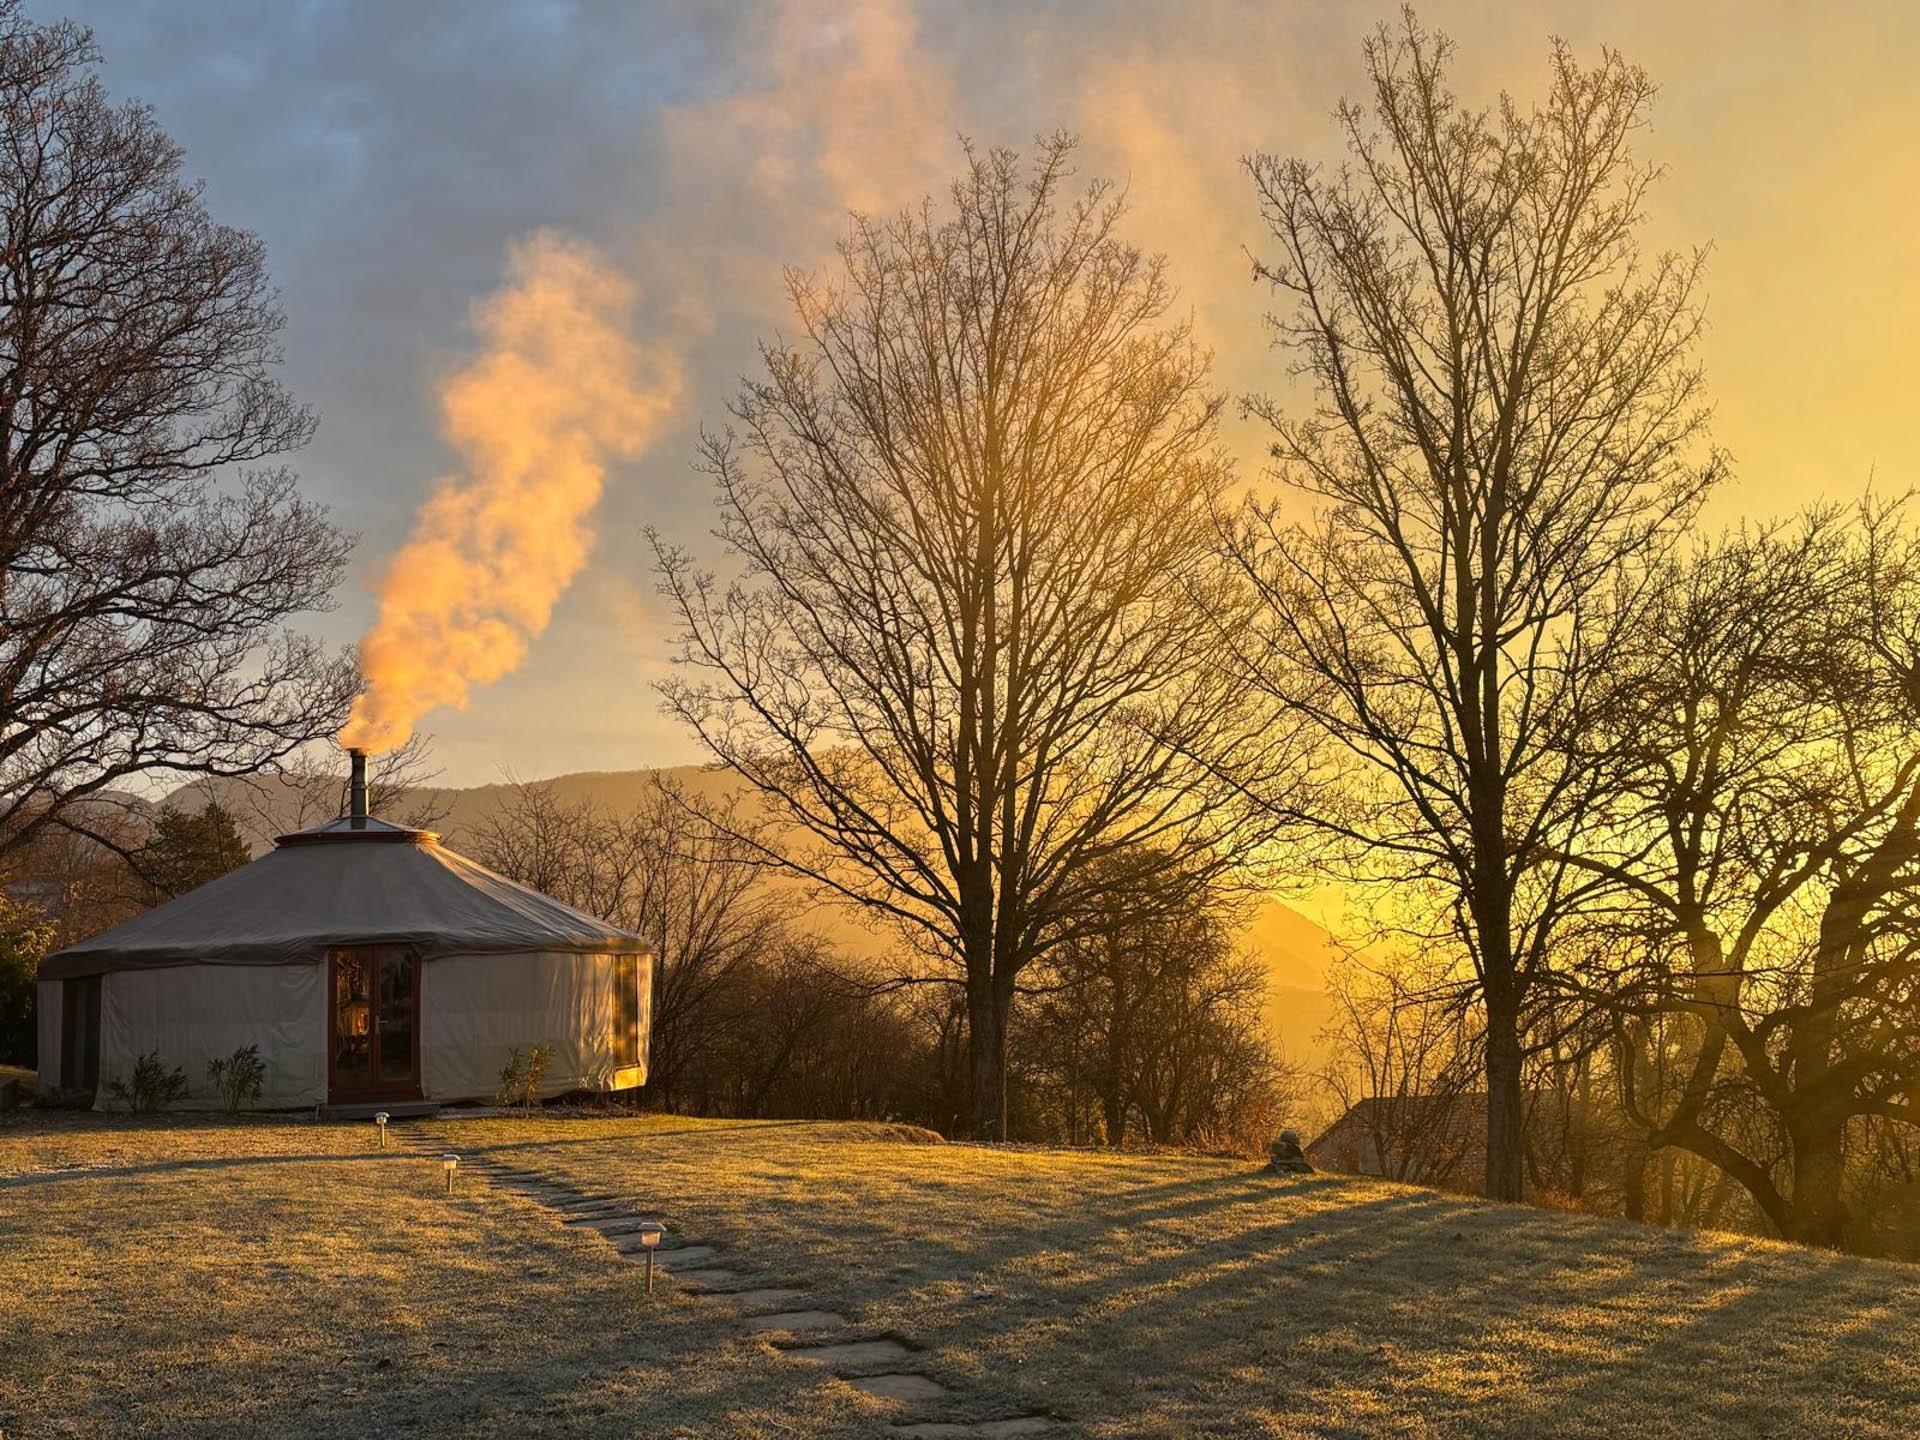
(979, 1429)
(686, 1257)
(624, 1223)
(797, 1320)
(902, 1388)
(854, 1352)
(769, 1298)
(713, 1280)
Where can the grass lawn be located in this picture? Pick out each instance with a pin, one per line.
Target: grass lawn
(186, 1277)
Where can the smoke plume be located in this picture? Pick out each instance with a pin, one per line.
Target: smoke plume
(558, 388)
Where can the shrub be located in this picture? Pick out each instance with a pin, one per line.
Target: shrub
(153, 1087)
(239, 1078)
(24, 937)
(513, 1078)
(537, 1059)
(520, 1077)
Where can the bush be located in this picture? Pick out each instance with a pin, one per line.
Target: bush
(537, 1059)
(24, 937)
(520, 1077)
(153, 1087)
(239, 1078)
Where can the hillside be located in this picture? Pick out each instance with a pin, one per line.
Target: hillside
(288, 1279)
(1295, 951)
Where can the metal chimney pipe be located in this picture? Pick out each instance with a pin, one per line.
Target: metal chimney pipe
(357, 804)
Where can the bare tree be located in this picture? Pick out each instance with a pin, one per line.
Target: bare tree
(140, 606)
(1153, 1019)
(1763, 833)
(963, 665)
(1401, 1064)
(311, 787)
(1505, 432)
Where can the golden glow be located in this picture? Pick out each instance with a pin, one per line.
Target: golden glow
(1783, 134)
(1785, 138)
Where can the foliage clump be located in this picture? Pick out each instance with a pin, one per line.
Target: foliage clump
(238, 1077)
(152, 1088)
(187, 849)
(24, 938)
(521, 1076)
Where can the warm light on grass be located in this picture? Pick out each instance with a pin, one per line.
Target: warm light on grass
(308, 1295)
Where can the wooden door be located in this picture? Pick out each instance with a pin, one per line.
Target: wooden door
(373, 1024)
(80, 1033)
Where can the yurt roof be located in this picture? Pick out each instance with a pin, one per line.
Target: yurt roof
(344, 883)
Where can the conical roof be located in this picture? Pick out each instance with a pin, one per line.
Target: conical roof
(344, 883)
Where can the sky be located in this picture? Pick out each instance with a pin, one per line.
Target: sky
(397, 159)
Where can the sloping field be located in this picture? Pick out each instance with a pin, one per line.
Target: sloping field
(287, 1279)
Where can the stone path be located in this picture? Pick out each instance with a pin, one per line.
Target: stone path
(881, 1366)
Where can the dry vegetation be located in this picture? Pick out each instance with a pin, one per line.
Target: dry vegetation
(203, 1278)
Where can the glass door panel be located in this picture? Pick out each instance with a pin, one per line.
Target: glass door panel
(396, 1017)
(373, 1022)
(352, 1020)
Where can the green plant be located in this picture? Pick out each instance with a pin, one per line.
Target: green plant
(153, 1087)
(513, 1078)
(537, 1059)
(239, 1078)
(520, 1077)
(24, 937)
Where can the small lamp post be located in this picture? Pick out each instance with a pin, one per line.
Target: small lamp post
(448, 1164)
(381, 1121)
(650, 1234)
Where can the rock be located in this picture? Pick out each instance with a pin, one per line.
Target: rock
(853, 1352)
(795, 1320)
(901, 1388)
(1285, 1157)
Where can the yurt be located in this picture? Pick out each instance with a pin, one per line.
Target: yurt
(372, 967)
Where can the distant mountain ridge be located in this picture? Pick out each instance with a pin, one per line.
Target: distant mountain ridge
(1296, 952)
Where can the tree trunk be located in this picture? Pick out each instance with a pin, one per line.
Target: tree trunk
(1816, 1212)
(1633, 1184)
(1114, 1112)
(1506, 1134)
(987, 1060)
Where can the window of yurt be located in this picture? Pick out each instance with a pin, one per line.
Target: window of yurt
(626, 1008)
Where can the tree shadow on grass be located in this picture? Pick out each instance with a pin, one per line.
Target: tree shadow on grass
(31, 1179)
(1402, 1311)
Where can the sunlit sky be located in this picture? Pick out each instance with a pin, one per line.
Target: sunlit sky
(388, 154)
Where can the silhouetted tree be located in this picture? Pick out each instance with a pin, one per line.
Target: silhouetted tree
(1504, 436)
(311, 787)
(141, 607)
(1762, 833)
(187, 849)
(25, 936)
(1150, 1018)
(1401, 1064)
(963, 666)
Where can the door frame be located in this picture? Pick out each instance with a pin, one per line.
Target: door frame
(79, 1067)
(408, 1089)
